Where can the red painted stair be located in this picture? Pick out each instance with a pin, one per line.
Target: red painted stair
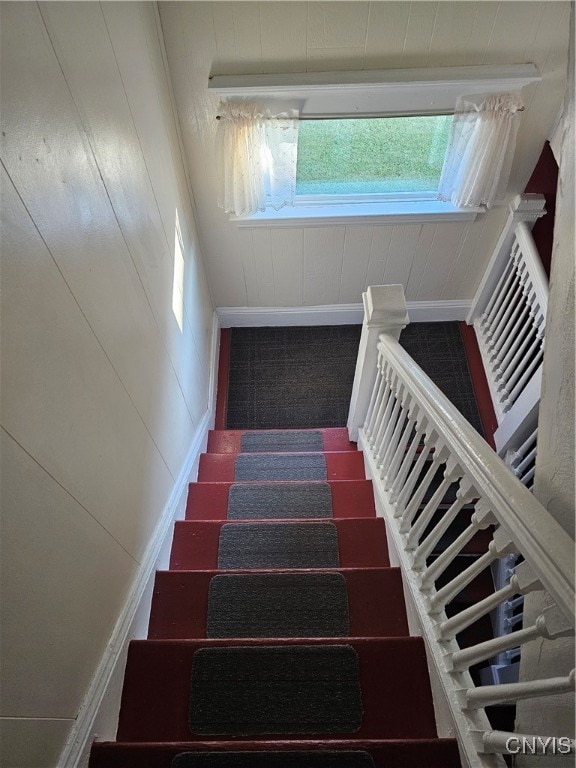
(397, 723)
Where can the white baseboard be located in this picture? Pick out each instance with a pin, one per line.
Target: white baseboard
(438, 311)
(214, 361)
(98, 716)
(335, 314)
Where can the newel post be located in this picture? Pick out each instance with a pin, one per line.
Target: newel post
(384, 312)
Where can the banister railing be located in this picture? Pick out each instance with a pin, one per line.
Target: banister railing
(432, 471)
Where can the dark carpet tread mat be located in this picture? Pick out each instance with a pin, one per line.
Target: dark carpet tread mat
(291, 377)
(278, 545)
(279, 500)
(278, 605)
(280, 466)
(292, 440)
(244, 691)
(293, 759)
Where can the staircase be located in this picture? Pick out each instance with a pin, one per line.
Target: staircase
(278, 638)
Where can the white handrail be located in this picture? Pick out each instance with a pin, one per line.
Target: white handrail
(542, 541)
(430, 468)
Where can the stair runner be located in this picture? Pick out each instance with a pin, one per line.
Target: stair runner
(278, 638)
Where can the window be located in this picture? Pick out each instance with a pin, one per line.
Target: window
(372, 145)
(384, 156)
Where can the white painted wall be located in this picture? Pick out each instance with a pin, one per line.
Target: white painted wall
(106, 343)
(335, 264)
(554, 479)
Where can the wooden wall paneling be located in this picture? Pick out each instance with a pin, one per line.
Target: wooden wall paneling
(419, 260)
(35, 663)
(283, 34)
(323, 253)
(341, 25)
(263, 261)
(403, 243)
(144, 368)
(418, 34)
(379, 255)
(386, 34)
(357, 243)
(62, 398)
(515, 19)
(474, 256)
(238, 37)
(287, 247)
(452, 35)
(443, 254)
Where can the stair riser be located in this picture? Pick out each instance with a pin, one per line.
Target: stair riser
(362, 544)
(229, 441)
(375, 600)
(220, 467)
(350, 498)
(156, 692)
(434, 753)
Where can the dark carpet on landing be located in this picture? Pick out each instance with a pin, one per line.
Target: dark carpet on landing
(293, 759)
(279, 500)
(291, 377)
(244, 691)
(293, 440)
(278, 545)
(283, 378)
(278, 605)
(280, 466)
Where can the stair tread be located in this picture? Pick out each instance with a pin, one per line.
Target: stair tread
(375, 601)
(361, 542)
(157, 687)
(340, 465)
(350, 498)
(230, 440)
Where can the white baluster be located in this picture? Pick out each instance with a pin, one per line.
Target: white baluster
(438, 458)
(513, 298)
(374, 398)
(498, 297)
(452, 474)
(395, 437)
(383, 418)
(516, 363)
(406, 490)
(384, 399)
(384, 441)
(519, 338)
(426, 548)
(482, 518)
(506, 293)
(485, 695)
(523, 582)
(499, 545)
(402, 473)
(535, 362)
(400, 450)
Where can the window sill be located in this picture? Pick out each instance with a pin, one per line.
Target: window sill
(409, 212)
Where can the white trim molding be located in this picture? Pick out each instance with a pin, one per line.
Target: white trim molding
(371, 93)
(98, 714)
(335, 314)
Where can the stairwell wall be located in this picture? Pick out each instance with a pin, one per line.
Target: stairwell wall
(107, 346)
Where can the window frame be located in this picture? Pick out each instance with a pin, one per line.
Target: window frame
(369, 93)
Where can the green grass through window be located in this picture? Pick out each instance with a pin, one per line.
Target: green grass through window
(371, 155)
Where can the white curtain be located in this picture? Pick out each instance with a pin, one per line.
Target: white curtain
(480, 151)
(258, 154)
